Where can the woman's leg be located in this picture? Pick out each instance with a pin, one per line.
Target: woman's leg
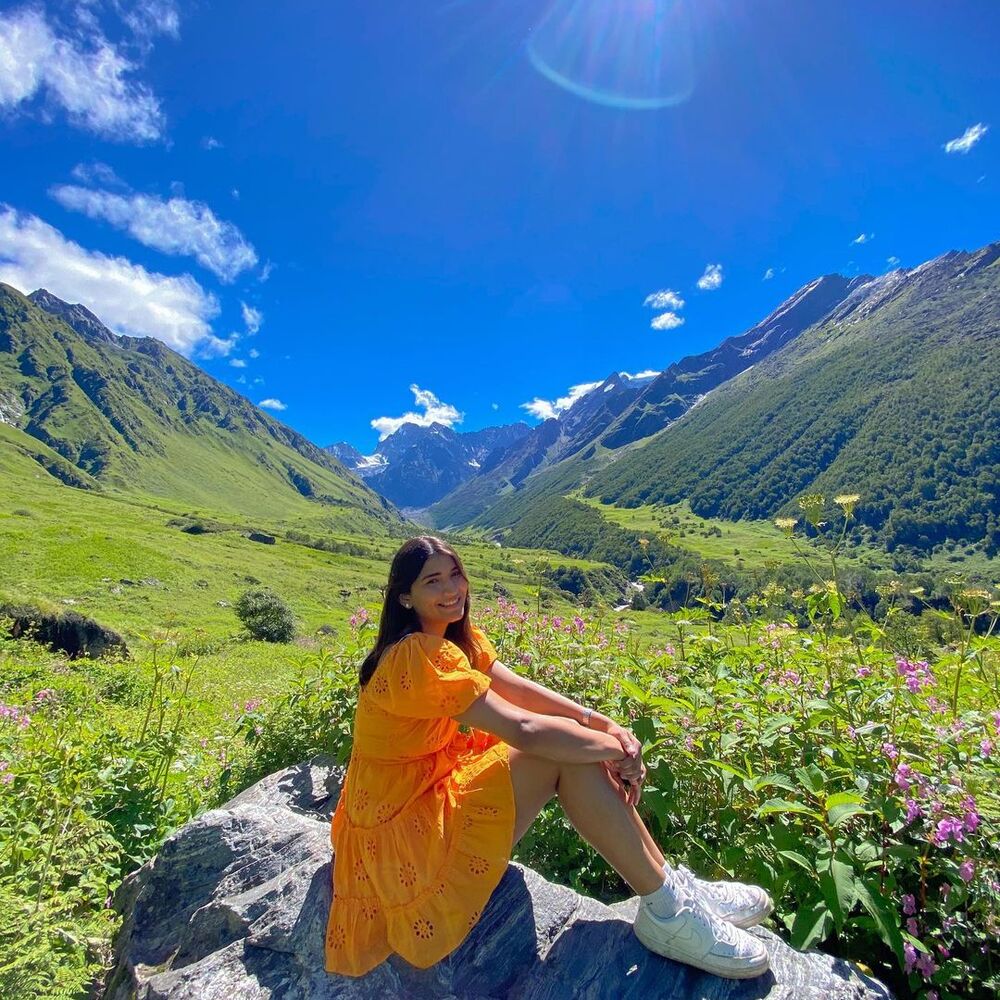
(596, 809)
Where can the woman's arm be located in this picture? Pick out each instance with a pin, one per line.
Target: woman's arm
(629, 771)
(540, 734)
(537, 698)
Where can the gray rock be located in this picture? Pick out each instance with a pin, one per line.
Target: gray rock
(234, 907)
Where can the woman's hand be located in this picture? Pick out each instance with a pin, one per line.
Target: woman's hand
(631, 789)
(630, 773)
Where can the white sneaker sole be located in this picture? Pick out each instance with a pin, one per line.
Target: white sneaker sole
(725, 969)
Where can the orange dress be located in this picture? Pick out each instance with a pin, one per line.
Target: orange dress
(424, 827)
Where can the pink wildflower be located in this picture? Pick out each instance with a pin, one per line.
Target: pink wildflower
(966, 870)
(909, 904)
(947, 829)
(904, 774)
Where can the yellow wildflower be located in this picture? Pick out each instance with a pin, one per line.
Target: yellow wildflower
(847, 502)
(812, 507)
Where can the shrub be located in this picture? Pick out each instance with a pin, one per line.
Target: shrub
(265, 615)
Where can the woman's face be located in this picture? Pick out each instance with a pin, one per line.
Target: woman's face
(438, 594)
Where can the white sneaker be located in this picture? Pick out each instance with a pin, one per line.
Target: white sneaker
(742, 905)
(697, 937)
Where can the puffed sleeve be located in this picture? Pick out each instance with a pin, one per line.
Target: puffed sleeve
(486, 655)
(425, 677)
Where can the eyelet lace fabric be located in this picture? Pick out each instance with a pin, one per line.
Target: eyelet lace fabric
(423, 828)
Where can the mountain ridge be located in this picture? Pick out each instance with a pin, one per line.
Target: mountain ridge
(132, 415)
(417, 465)
(625, 421)
(892, 397)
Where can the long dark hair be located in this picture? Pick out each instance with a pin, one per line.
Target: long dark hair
(397, 621)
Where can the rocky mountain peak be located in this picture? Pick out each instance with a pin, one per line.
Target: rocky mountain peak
(77, 316)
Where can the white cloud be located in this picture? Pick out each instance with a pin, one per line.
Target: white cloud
(272, 404)
(711, 279)
(210, 142)
(238, 363)
(127, 297)
(545, 409)
(252, 318)
(768, 274)
(863, 238)
(665, 299)
(265, 271)
(97, 173)
(89, 78)
(435, 412)
(648, 373)
(495, 406)
(967, 139)
(253, 352)
(148, 18)
(175, 226)
(666, 321)
(892, 261)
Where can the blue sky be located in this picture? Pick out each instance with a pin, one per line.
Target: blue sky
(327, 205)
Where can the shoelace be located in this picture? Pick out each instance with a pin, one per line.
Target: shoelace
(721, 931)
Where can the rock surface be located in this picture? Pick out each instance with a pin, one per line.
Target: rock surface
(234, 908)
(67, 631)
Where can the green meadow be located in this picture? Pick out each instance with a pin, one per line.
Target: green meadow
(775, 735)
(761, 545)
(125, 562)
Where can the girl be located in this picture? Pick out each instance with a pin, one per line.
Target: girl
(428, 814)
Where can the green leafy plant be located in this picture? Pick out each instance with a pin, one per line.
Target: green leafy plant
(265, 615)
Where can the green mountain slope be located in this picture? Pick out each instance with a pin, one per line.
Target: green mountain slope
(894, 396)
(131, 415)
(625, 409)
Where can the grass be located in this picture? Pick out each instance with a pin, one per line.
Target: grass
(753, 545)
(116, 558)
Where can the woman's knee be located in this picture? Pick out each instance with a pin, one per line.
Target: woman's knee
(582, 774)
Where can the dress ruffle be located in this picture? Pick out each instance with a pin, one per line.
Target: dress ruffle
(405, 888)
